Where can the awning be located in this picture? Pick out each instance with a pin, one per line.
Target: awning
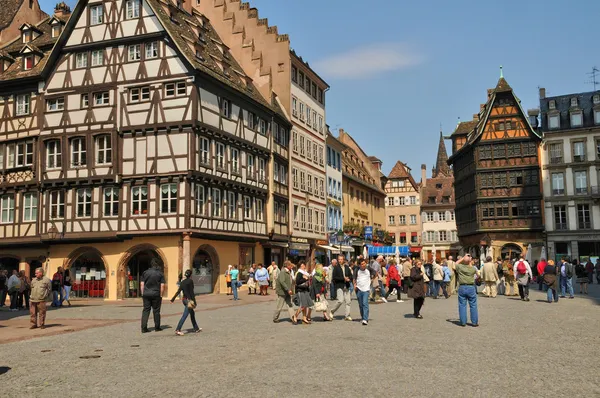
(347, 249)
(387, 250)
(299, 246)
(330, 248)
(413, 234)
(403, 234)
(416, 249)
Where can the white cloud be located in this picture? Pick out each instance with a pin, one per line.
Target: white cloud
(368, 61)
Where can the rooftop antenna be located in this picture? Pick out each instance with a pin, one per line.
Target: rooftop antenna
(594, 75)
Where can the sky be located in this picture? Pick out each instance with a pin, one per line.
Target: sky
(400, 69)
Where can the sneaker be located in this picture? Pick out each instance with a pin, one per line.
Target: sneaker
(399, 301)
(348, 319)
(179, 333)
(198, 330)
(384, 300)
(365, 323)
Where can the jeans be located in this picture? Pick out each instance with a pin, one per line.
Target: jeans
(436, 288)
(153, 302)
(374, 290)
(552, 292)
(523, 291)
(186, 312)
(467, 293)
(445, 289)
(363, 304)
(55, 300)
(234, 289)
(332, 292)
(343, 297)
(67, 293)
(3, 293)
(14, 297)
(591, 277)
(566, 284)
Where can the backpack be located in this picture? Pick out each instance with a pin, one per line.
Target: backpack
(521, 268)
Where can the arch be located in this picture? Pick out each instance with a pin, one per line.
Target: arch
(128, 256)
(14, 262)
(513, 250)
(87, 288)
(200, 284)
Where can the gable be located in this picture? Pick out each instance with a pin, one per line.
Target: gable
(505, 120)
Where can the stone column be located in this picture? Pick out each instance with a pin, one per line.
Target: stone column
(186, 261)
(574, 250)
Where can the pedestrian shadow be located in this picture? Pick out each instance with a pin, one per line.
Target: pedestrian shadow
(541, 301)
(4, 369)
(454, 321)
(53, 325)
(409, 315)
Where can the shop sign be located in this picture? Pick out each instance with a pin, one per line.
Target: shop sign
(369, 232)
(322, 242)
(299, 240)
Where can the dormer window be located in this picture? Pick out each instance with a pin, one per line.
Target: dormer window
(28, 62)
(576, 119)
(573, 102)
(551, 104)
(56, 29)
(596, 99)
(26, 35)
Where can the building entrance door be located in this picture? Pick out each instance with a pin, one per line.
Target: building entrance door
(203, 273)
(135, 269)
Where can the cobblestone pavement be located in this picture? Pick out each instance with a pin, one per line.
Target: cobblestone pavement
(520, 349)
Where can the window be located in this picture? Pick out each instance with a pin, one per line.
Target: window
(20, 154)
(30, 207)
(251, 120)
(204, 151)
(225, 107)
(200, 200)
(413, 219)
(168, 199)
(81, 60)
(139, 197)
(250, 166)
(26, 36)
(56, 29)
(551, 104)
(101, 98)
(573, 102)
(97, 57)
(294, 106)
(259, 210)
(283, 175)
(390, 200)
(413, 200)
(303, 181)
(84, 101)
(57, 204)
(596, 99)
(320, 124)
(301, 111)
(314, 120)
(576, 119)
(443, 236)
(55, 104)
(132, 9)
(84, 202)
(308, 149)
(442, 216)
(28, 62)
(96, 15)
(23, 102)
(320, 97)
(558, 184)
(301, 79)
(580, 182)
(391, 220)
(231, 205)
(556, 153)
(553, 121)
(216, 202)
(235, 160)
(309, 187)
(151, 49)
(262, 123)
(53, 155)
(78, 152)
(295, 141)
(583, 216)
(295, 178)
(220, 156)
(579, 151)
(181, 88)
(7, 206)
(452, 215)
(560, 217)
(308, 115)
(261, 170)
(103, 149)
(247, 207)
(111, 202)
(134, 53)
(597, 117)
(294, 74)
(139, 93)
(429, 216)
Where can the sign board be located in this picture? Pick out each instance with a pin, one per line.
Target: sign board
(369, 232)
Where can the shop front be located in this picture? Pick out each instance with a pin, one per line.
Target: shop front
(299, 250)
(581, 247)
(275, 252)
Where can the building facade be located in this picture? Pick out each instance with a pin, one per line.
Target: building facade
(439, 234)
(152, 147)
(497, 178)
(571, 127)
(402, 207)
(335, 219)
(16, 13)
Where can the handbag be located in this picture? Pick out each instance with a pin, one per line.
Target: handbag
(191, 305)
(321, 305)
(296, 300)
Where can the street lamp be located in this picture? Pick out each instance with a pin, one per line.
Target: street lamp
(53, 233)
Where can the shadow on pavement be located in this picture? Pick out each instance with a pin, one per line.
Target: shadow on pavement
(4, 369)
(454, 321)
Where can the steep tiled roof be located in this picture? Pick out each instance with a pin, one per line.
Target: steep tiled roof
(441, 164)
(361, 174)
(502, 86)
(206, 56)
(464, 128)
(431, 190)
(400, 170)
(9, 9)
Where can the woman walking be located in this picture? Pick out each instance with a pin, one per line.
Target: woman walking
(235, 273)
(317, 292)
(393, 282)
(262, 279)
(302, 291)
(188, 301)
(417, 290)
(251, 282)
(551, 281)
(228, 279)
(582, 278)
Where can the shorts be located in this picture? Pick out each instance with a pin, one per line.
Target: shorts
(229, 284)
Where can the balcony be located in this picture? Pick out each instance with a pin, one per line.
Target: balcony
(561, 226)
(556, 160)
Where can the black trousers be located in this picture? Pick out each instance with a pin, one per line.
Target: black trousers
(418, 303)
(154, 303)
(405, 284)
(394, 285)
(523, 291)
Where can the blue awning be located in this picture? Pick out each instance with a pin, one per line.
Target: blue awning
(387, 250)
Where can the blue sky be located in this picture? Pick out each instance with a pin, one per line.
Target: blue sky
(397, 69)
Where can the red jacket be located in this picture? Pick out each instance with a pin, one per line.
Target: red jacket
(393, 274)
(540, 267)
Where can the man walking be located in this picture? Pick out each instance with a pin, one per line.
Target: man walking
(274, 274)
(41, 288)
(465, 274)
(283, 288)
(490, 277)
(363, 278)
(523, 274)
(566, 278)
(438, 277)
(452, 283)
(589, 269)
(57, 286)
(152, 288)
(377, 266)
(541, 266)
(341, 278)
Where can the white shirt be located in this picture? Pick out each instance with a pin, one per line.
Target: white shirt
(528, 272)
(363, 280)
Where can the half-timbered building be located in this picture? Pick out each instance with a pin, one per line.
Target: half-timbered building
(497, 178)
(153, 143)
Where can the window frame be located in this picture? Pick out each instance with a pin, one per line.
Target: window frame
(57, 205)
(22, 104)
(30, 211)
(141, 202)
(81, 60)
(132, 9)
(79, 152)
(55, 154)
(96, 58)
(97, 19)
(55, 104)
(84, 199)
(154, 48)
(136, 54)
(168, 202)
(216, 203)
(110, 202)
(104, 140)
(7, 206)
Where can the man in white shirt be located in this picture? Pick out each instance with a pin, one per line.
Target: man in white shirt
(363, 278)
(523, 276)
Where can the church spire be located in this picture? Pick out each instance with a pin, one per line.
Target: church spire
(441, 164)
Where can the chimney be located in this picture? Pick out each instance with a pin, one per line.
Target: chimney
(476, 117)
(542, 93)
(423, 175)
(62, 9)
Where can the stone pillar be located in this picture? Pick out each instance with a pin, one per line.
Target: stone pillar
(187, 257)
(574, 250)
